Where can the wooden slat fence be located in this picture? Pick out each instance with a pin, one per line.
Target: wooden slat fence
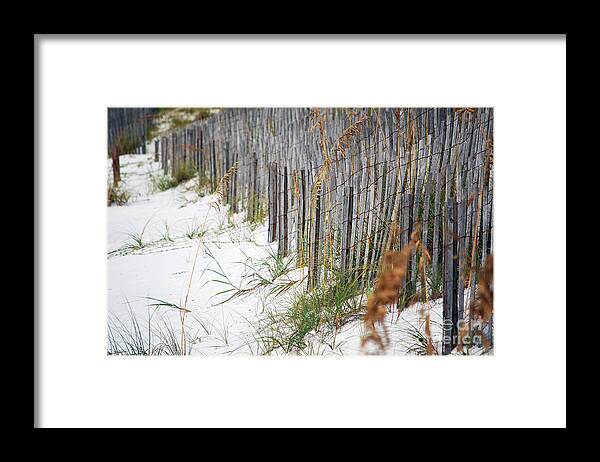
(128, 127)
(340, 186)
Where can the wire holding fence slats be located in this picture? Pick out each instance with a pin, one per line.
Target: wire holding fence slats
(340, 186)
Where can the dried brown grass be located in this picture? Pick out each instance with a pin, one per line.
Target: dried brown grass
(345, 140)
(387, 291)
(318, 120)
(466, 110)
(224, 182)
(481, 309)
(487, 170)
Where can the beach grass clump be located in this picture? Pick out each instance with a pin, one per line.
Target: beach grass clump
(182, 173)
(117, 195)
(154, 335)
(162, 182)
(314, 315)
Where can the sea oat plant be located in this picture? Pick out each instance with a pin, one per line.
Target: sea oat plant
(386, 291)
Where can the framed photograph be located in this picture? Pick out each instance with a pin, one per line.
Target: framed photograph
(262, 231)
(300, 231)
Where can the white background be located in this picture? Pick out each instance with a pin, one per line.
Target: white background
(524, 384)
